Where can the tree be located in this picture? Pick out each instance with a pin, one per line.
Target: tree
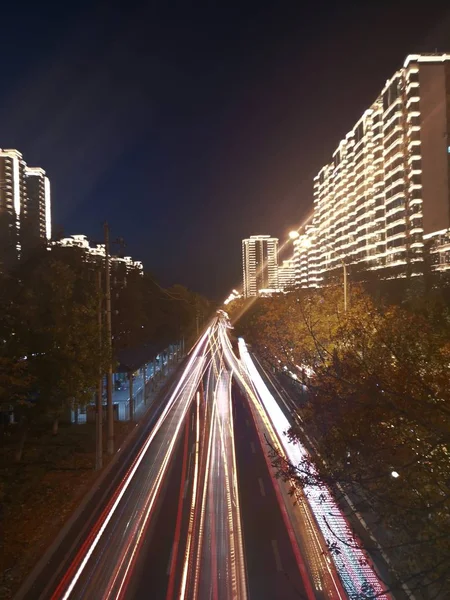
(58, 305)
(16, 380)
(378, 411)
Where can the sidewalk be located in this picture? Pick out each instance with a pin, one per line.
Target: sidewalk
(153, 381)
(121, 398)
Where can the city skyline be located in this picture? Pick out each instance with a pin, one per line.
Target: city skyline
(150, 137)
(224, 301)
(386, 192)
(387, 187)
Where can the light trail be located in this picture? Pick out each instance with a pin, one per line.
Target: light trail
(73, 574)
(242, 376)
(136, 536)
(207, 556)
(193, 503)
(215, 567)
(239, 543)
(173, 561)
(351, 563)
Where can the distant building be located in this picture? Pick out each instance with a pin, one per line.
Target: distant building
(259, 264)
(25, 211)
(36, 225)
(96, 254)
(12, 194)
(386, 190)
(286, 274)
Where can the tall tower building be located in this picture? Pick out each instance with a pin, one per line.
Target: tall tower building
(25, 212)
(12, 193)
(387, 188)
(259, 264)
(35, 227)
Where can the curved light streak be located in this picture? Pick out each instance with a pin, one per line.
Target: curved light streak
(351, 563)
(198, 352)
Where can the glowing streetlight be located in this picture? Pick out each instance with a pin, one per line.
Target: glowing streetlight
(293, 235)
(395, 474)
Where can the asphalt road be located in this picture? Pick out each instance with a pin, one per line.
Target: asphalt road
(52, 571)
(157, 573)
(191, 510)
(272, 568)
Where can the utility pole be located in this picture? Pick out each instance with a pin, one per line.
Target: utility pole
(109, 405)
(99, 411)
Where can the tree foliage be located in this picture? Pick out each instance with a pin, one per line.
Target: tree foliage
(52, 327)
(56, 319)
(378, 410)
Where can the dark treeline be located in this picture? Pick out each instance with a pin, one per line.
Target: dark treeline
(52, 328)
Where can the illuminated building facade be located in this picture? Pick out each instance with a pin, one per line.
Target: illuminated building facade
(286, 274)
(259, 264)
(36, 215)
(12, 194)
(387, 189)
(25, 212)
(96, 255)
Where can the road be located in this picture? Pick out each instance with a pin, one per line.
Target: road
(272, 567)
(197, 513)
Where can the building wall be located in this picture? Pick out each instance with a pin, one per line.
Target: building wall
(259, 264)
(434, 141)
(25, 219)
(34, 214)
(286, 274)
(387, 183)
(12, 193)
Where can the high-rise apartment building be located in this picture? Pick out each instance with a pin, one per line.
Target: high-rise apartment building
(387, 188)
(36, 219)
(12, 193)
(259, 264)
(286, 274)
(25, 217)
(96, 255)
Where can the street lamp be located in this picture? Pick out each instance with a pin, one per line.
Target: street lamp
(293, 235)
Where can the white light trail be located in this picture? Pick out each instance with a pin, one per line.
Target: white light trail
(193, 503)
(351, 563)
(141, 524)
(215, 565)
(195, 354)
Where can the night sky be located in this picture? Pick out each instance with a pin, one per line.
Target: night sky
(189, 125)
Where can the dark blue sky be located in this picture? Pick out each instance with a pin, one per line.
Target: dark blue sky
(189, 125)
